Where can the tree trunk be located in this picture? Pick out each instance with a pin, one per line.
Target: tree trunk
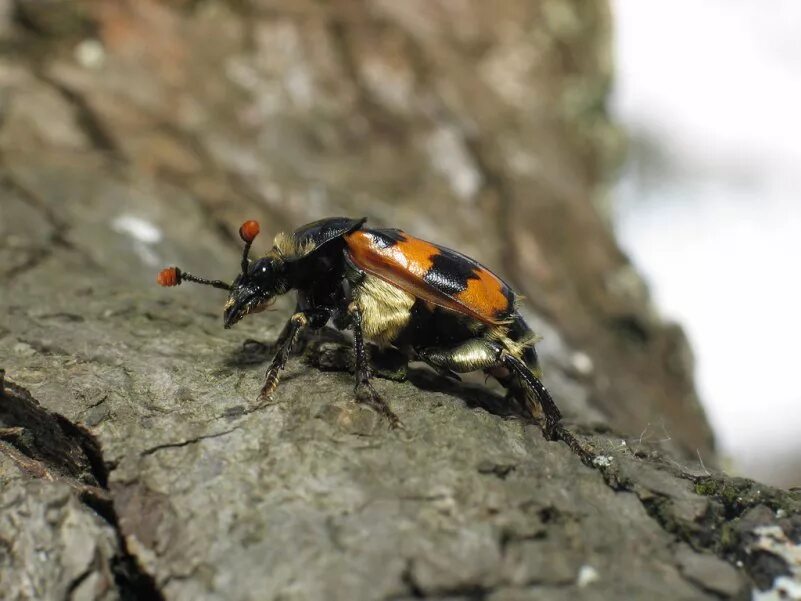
(136, 134)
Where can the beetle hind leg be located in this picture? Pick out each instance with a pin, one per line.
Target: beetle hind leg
(518, 378)
(533, 389)
(470, 356)
(493, 358)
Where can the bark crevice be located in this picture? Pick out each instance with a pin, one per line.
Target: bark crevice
(47, 445)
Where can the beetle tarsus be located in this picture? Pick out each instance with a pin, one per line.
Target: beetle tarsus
(270, 384)
(365, 393)
(566, 436)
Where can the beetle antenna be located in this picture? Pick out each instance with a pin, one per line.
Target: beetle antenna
(248, 232)
(172, 276)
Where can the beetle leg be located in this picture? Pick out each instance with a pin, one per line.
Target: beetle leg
(514, 375)
(364, 388)
(286, 340)
(470, 356)
(534, 385)
(487, 355)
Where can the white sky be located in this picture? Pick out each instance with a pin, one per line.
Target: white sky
(709, 205)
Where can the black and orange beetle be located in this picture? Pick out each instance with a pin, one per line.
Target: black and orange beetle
(431, 303)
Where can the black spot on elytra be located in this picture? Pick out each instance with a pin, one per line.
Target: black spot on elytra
(450, 272)
(384, 238)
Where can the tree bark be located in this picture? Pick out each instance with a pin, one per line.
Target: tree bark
(136, 134)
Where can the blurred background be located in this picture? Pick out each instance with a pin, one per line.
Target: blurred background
(535, 135)
(709, 204)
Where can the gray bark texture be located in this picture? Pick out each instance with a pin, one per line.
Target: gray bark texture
(137, 134)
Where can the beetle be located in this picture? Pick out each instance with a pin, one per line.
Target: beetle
(431, 303)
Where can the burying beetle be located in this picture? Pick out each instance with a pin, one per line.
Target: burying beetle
(430, 302)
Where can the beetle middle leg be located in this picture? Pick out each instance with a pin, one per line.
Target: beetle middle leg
(364, 388)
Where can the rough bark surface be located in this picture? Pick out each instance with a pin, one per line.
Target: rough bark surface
(140, 133)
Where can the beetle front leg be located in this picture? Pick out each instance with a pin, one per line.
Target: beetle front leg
(286, 340)
(364, 388)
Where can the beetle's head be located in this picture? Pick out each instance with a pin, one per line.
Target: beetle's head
(253, 290)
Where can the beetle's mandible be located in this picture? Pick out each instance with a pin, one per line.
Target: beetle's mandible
(431, 303)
